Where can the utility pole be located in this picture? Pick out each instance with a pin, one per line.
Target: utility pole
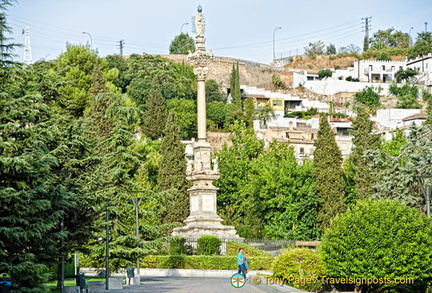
(121, 45)
(426, 27)
(28, 59)
(367, 26)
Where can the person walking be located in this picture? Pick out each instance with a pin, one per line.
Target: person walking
(240, 262)
(245, 264)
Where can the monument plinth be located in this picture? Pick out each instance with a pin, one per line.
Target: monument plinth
(203, 219)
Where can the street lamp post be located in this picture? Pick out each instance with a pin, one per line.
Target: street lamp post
(136, 201)
(274, 55)
(91, 39)
(427, 191)
(181, 28)
(107, 217)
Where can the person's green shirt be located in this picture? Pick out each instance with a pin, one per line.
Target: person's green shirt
(240, 259)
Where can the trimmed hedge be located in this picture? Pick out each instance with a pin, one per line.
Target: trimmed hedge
(203, 262)
(233, 247)
(299, 264)
(209, 245)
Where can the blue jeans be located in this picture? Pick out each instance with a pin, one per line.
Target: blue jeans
(241, 270)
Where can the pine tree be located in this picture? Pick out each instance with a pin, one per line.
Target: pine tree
(154, 118)
(328, 175)
(172, 172)
(33, 200)
(363, 140)
(235, 87)
(6, 47)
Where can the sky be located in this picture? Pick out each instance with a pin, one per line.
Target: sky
(246, 30)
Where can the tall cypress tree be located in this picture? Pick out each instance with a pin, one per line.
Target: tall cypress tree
(328, 175)
(172, 172)
(235, 87)
(363, 140)
(154, 118)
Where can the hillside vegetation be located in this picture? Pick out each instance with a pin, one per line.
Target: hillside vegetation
(337, 61)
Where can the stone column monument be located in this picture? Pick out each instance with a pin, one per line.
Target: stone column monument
(203, 219)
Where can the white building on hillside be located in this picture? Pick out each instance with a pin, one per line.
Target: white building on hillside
(377, 71)
(423, 64)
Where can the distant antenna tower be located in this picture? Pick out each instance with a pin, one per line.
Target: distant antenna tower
(366, 27)
(28, 59)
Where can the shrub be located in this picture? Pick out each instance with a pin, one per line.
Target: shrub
(209, 245)
(203, 262)
(301, 268)
(277, 82)
(324, 73)
(177, 246)
(368, 96)
(233, 248)
(379, 239)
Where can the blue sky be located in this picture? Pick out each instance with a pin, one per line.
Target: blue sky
(239, 29)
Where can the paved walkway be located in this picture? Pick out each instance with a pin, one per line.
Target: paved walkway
(187, 285)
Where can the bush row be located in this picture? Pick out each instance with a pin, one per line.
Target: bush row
(203, 262)
(233, 247)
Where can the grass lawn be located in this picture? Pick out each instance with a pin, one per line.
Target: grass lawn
(52, 286)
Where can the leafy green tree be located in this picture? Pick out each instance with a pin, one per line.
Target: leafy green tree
(422, 46)
(264, 114)
(119, 62)
(176, 80)
(172, 172)
(406, 94)
(383, 56)
(182, 44)
(390, 38)
(406, 74)
(324, 73)
(216, 114)
(368, 96)
(235, 87)
(316, 48)
(213, 92)
(186, 115)
(363, 140)
(328, 175)
(154, 118)
(76, 66)
(394, 146)
(379, 239)
(234, 165)
(279, 205)
(331, 49)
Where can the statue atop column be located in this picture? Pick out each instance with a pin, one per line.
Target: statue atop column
(203, 218)
(199, 23)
